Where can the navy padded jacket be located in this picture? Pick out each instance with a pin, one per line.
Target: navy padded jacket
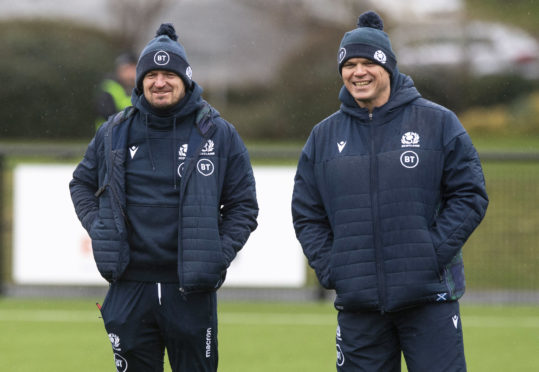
(218, 207)
(383, 203)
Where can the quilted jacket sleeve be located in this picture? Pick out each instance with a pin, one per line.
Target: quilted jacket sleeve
(239, 207)
(310, 219)
(84, 185)
(464, 197)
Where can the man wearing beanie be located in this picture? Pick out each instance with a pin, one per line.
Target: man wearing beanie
(115, 92)
(387, 191)
(167, 195)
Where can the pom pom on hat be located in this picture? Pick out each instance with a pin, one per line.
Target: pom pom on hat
(369, 41)
(370, 19)
(164, 52)
(168, 30)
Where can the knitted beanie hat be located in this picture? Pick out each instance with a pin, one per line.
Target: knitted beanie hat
(369, 41)
(164, 52)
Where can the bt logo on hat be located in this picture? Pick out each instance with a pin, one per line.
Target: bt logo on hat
(161, 58)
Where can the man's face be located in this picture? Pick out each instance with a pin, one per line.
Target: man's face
(368, 82)
(163, 89)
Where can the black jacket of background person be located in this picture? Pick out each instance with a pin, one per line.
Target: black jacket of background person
(383, 202)
(213, 179)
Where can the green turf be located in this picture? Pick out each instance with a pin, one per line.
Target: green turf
(502, 252)
(67, 335)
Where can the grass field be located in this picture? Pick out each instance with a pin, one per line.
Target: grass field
(503, 251)
(67, 335)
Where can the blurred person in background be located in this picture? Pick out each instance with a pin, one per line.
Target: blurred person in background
(115, 92)
(167, 194)
(387, 191)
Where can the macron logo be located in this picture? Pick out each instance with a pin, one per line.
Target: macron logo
(208, 343)
(455, 320)
(133, 151)
(340, 145)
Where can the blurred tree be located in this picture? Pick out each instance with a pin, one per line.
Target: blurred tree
(49, 71)
(131, 14)
(309, 11)
(306, 88)
(304, 92)
(521, 13)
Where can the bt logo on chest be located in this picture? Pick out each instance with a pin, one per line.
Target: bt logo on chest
(409, 159)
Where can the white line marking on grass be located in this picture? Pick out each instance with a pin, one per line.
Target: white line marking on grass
(62, 316)
(66, 316)
(278, 319)
(248, 318)
(500, 322)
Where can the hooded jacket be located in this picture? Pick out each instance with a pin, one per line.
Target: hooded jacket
(383, 202)
(217, 199)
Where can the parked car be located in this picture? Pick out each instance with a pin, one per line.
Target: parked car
(479, 48)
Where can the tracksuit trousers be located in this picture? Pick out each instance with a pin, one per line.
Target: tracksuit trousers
(429, 336)
(143, 319)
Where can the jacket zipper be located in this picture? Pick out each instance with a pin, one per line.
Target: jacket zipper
(183, 187)
(375, 220)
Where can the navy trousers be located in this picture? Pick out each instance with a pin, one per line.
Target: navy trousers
(142, 319)
(429, 336)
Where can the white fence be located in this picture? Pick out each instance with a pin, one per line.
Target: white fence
(51, 247)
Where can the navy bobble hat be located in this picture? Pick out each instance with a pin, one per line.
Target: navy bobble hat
(164, 52)
(369, 41)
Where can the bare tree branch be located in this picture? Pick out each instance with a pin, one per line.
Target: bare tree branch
(303, 10)
(131, 15)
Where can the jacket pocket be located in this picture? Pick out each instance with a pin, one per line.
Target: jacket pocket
(105, 248)
(89, 220)
(328, 277)
(436, 263)
(94, 226)
(454, 276)
(225, 263)
(204, 265)
(100, 231)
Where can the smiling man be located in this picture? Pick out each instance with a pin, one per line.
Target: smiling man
(163, 89)
(367, 82)
(386, 193)
(167, 194)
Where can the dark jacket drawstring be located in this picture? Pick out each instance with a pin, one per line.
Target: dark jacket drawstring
(148, 143)
(174, 155)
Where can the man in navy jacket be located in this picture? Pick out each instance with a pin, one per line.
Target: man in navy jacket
(386, 193)
(167, 194)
